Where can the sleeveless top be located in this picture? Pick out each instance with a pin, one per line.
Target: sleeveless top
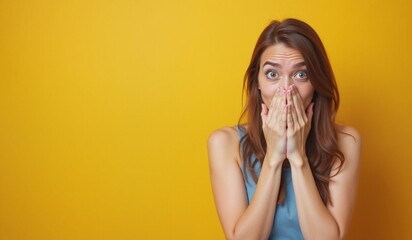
(286, 222)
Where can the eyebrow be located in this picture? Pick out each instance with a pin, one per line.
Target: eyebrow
(297, 65)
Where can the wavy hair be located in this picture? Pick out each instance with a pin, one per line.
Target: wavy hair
(321, 145)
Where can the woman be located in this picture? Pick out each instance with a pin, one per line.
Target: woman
(290, 172)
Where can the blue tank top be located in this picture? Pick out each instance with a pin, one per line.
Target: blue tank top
(286, 221)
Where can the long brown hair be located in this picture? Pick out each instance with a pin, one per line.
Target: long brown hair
(321, 145)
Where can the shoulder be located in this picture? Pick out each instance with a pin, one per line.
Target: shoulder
(224, 135)
(350, 143)
(223, 143)
(349, 137)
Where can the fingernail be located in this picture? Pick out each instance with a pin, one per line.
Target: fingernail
(287, 105)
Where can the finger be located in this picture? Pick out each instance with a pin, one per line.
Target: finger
(264, 110)
(290, 88)
(264, 113)
(278, 114)
(284, 99)
(289, 107)
(283, 118)
(299, 108)
(309, 113)
(275, 97)
(295, 118)
(275, 116)
(290, 121)
(283, 111)
(270, 114)
(281, 90)
(274, 107)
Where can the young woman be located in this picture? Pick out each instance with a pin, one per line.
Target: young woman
(289, 172)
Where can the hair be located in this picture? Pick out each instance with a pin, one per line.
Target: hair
(321, 145)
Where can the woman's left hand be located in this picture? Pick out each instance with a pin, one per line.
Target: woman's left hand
(299, 122)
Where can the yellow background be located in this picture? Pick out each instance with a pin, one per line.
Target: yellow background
(105, 108)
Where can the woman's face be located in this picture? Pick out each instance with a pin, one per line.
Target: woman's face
(282, 66)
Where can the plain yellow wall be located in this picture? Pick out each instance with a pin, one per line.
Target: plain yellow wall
(105, 108)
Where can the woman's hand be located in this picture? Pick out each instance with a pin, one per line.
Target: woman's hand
(274, 127)
(298, 126)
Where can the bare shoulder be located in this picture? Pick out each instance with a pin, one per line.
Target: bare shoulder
(349, 136)
(224, 135)
(350, 143)
(223, 143)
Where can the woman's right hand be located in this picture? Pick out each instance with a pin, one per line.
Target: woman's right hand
(274, 127)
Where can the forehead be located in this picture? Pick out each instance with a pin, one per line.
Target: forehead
(282, 54)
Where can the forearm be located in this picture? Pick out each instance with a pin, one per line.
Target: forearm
(316, 222)
(256, 222)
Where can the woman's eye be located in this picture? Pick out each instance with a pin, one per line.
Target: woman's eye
(271, 74)
(301, 75)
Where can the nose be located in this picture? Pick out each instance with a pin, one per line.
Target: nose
(286, 82)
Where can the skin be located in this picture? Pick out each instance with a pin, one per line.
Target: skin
(286, 115)
(288, 71)
(283, 81)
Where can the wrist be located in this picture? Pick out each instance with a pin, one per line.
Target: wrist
(274, 161)
(298, 161)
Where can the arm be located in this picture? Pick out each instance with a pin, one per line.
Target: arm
(318, 221)
(240, 221)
